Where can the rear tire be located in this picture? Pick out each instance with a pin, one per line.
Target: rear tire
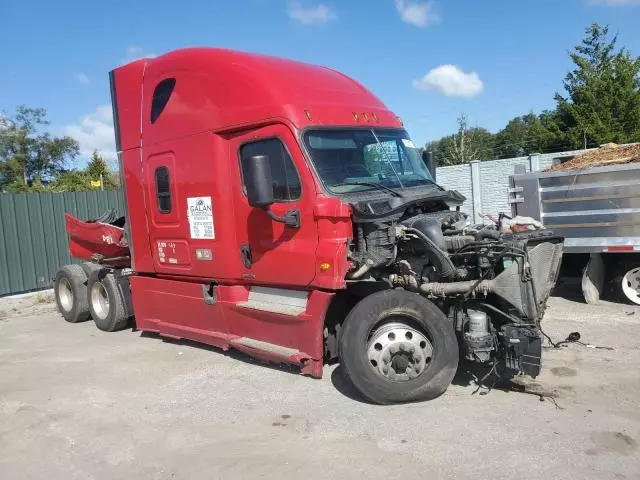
(623, 278)
(71, 293)
(388, 315)
(629, 286)
(105, 301)
(90, 267)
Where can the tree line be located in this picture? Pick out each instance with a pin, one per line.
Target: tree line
(35, 161)
(600, 104)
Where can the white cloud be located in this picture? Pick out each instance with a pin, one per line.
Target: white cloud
(82, 78)
(136, 53)
(95, 132)
(417, 13)
(311, 14)
(451, 81)
(615, 3)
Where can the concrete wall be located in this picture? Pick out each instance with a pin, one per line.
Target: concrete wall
(486, 183)
(457, 177)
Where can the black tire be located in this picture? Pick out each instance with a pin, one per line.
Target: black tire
(372, 312)
(615, 284)
(70, 289)
(111, 316)
(90, 267)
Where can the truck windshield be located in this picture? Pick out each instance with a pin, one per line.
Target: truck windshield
(346, 160)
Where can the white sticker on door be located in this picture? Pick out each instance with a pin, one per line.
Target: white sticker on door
(200, 215)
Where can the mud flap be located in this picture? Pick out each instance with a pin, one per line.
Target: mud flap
(593, 279)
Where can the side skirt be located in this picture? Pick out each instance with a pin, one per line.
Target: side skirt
(230, 317)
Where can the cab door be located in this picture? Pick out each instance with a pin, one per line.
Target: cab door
(272, 252)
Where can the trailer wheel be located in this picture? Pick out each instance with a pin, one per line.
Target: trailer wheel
(71, 293)
(630, 284)
(396, 346)
(105, 301)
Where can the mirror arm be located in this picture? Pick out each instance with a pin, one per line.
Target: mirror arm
(291, 218)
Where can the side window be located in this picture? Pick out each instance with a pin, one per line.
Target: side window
(161, 95)
(286, 182)
(163, 189)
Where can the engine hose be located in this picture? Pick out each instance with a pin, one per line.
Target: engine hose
(458, 241)
(487, 233)
(364, 268)
(442, 261)
(456, 288)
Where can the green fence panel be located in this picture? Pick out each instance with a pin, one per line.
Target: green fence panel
(25, 251)
(33, 238)
(12, 255)
(4, 270)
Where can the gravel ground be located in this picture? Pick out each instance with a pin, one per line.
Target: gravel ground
(79, 403)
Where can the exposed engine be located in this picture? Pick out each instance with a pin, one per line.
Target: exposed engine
(493, 286)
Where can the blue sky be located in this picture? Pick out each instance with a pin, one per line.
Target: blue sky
(428, 61)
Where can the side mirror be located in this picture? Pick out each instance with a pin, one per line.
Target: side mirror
(431, 162)
(258, 179)
(259, 183)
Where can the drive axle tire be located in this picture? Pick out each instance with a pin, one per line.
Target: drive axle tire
(105, 301)
(70, 290)
(396, 346)
(90, 267)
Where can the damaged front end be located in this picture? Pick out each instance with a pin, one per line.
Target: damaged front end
(492, 285)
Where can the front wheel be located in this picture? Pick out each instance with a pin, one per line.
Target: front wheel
(397, 346)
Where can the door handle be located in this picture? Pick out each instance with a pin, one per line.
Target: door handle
(291, 218)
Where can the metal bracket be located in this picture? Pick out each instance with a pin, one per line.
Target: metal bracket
(512, 194)
(245, 254)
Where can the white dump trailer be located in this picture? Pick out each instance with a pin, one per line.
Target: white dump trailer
(597, 210)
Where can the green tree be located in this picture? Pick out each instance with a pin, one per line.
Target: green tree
(71, 181)
(97, 166)
(467, 144)
(602, 102)
(26, 153)
(97, 169)
(80, 180)
(19, 187)
(528, 134)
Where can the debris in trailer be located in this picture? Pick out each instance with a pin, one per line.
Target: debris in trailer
(608, 154)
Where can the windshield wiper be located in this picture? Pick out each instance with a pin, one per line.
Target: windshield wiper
(388, 158)
(371, 184)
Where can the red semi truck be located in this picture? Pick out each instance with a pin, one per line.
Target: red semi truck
(281, 209)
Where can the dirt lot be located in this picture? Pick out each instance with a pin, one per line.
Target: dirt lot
(79, 403)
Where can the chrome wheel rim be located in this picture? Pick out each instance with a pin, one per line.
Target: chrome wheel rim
(631, 285)
(99, 301)
(398, 351)
(65, 295)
